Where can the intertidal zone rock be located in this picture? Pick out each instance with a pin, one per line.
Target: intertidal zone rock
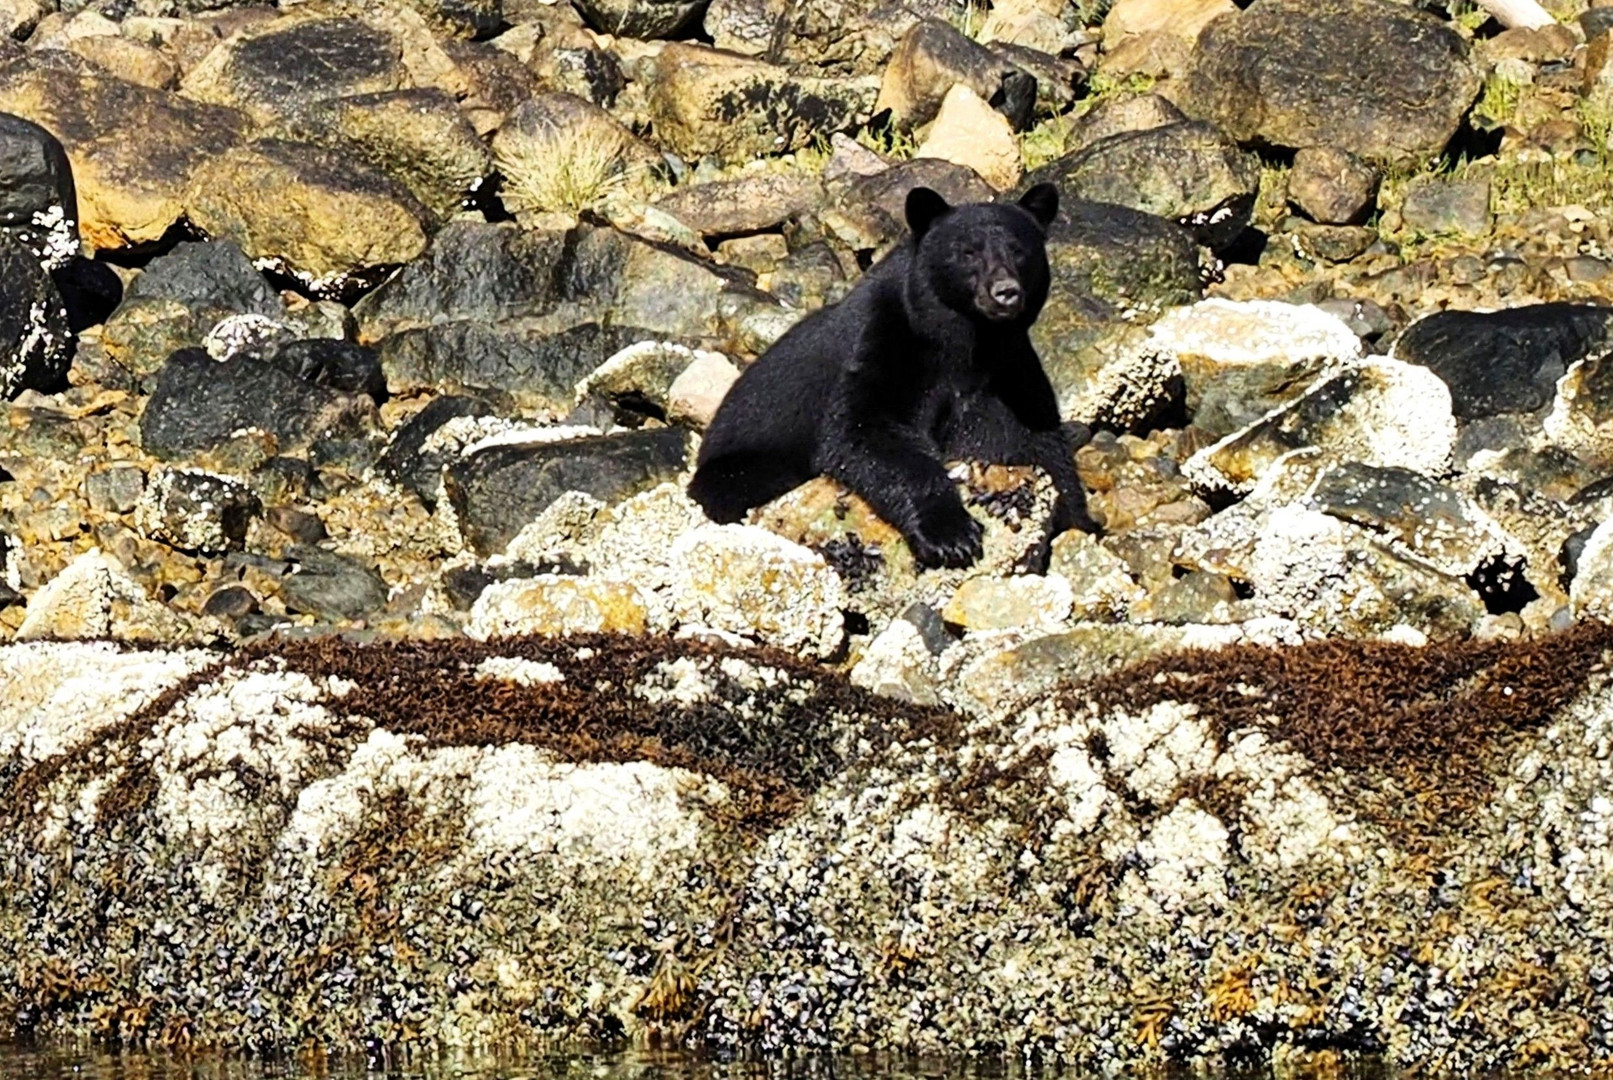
(1212, 855)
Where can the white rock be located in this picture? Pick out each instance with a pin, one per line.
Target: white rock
(1580, 421)
(746, 580)
(557, 604)
(243, 333)
(1240, 358)
(58, 694)
(89, 599)
(1334, 576)
(1379, 412)
(1186, 854)
(512, 669)
(898, 664)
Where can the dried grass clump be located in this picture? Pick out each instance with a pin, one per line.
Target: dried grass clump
(549, 171)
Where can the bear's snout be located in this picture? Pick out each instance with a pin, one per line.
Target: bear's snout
(1005, 299)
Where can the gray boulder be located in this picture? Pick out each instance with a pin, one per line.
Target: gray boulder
(1187, 172)
(1383, 81)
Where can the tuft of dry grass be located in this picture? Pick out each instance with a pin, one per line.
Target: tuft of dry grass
(546, 173)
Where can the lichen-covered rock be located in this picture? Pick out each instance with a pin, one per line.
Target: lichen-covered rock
(199, 402)
(1187, 172)
(751, 582)
(331, 586)
(991, 603)
(1581, 417)
(277, 70)
(1333, 186)
(555, 604)
(1382, 81)
(899, 663)
(36, 341)
(196, 511)
(1329, 575)
(1113, 268)
(472, 270)
(1506, 361)
(934, 58)
(1591, 590)
(641, 18)
(640, 378)
(318, 215)
(1380, 412)
(703, 101)
(867, 208)
(565, 812)
(532, 311)
(1429, 519)
(852, 35)
(420, 138)
(1439, 206)
(38, 202)
(699, 389)
(743, 204)
(1101, 587)
(1240, 360)
(134, 150)
(502, 484)
(1013, 505)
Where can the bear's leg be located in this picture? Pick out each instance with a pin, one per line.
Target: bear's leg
(987, 430)
(726, 487)
(908, 487)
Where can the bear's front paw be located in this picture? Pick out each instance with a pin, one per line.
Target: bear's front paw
(945, 535)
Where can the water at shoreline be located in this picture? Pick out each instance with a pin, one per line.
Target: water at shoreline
(48, 1062)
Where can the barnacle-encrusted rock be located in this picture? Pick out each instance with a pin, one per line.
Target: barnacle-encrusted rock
(1357, 843)
(557, 604)
(746, 580)
(94, 598)
(1378, 412)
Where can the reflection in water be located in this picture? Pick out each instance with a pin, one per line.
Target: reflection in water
(26, 1062)
(59, 1063)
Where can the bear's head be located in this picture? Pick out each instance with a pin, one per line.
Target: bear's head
(986, 260)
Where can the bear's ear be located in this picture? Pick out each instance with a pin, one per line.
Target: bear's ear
(1043, 203)
(923, 208)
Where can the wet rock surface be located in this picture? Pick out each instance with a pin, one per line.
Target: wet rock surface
(1505, 361)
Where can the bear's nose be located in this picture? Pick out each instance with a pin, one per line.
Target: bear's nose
(1007, 293)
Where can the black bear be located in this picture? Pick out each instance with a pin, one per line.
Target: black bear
(927, 359)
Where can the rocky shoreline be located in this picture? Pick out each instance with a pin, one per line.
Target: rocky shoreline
(1296, 854)
(370, 678)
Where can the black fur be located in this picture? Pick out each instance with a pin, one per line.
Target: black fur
(928, 359)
